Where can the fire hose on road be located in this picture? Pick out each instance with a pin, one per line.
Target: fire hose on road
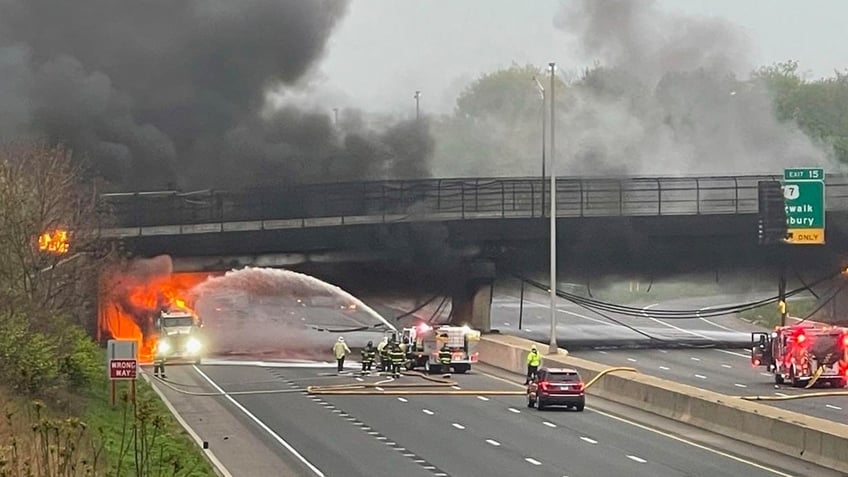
(436, 387)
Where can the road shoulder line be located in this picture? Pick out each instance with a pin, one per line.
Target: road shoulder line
(219, 468)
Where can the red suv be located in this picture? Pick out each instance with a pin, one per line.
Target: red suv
(556, 387)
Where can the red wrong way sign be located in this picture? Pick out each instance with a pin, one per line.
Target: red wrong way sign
(123, 368)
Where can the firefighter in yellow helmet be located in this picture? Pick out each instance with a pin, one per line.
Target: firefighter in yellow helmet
(445, 358)
(340, 350)
(534, 360)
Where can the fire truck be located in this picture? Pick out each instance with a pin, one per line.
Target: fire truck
(425, 342)
(799, 354)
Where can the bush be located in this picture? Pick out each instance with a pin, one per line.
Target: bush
(34, 363)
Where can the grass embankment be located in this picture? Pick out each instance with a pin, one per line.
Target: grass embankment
(768, 316)
(90, 437)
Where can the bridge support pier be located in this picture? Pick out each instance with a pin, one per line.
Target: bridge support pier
(472, 303)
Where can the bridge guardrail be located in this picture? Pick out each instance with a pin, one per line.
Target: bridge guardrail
(456, 199)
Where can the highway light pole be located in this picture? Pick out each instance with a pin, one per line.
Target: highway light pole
(544, 127)
(553, 347)
(417, 105)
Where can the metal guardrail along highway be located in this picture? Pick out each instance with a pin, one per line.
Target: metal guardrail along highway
(168, 212)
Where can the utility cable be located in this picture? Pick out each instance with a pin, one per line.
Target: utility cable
(666, 314)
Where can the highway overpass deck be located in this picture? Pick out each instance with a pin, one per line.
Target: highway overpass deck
(155, 213)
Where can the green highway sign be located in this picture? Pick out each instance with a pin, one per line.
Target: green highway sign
(803, 174)
(803, 193)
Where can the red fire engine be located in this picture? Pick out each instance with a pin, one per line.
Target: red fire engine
(800, 353)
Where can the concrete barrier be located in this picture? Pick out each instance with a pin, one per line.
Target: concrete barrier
(805, 437)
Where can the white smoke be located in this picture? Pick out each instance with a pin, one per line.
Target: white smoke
(261, 311)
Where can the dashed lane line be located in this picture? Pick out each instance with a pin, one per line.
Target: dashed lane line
(589, 440)
(458, 426)
(669, 436)
(493, 442)
(532, 461)
(637, 459)
(549, 424)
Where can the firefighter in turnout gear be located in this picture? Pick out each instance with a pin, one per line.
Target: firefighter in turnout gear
(383, 351)
(159, 361)
(397, 357)
(445, 359)
(368, 353)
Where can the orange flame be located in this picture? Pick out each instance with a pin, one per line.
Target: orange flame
(54, 242)
(128, 311)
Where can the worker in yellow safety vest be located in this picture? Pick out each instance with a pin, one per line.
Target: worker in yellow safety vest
(534, 360)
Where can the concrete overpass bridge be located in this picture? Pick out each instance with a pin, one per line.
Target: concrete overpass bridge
(459, 228)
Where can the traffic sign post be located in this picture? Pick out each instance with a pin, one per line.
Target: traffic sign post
(123, 364)
(804, 196)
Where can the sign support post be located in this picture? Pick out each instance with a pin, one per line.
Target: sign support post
(122, 365)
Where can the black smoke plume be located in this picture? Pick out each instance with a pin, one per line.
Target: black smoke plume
(156, 93)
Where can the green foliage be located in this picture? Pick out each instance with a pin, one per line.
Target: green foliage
(34, 362)
(142, 438)
(819, 107)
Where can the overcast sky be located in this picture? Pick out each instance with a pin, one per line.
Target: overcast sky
(384, 50)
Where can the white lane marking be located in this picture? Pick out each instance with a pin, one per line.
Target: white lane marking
(506, 323)
(831, 406)
(780, 394)
(590, 441)
(698, 314)
(408, 454)
(567, 312)
(637, 459)
(532, 461)
(493, 442)
(261, 424)
(402, 399)
(458, 426)
(740, 385)
(733, 353)
(512, 409)
(700, 376)
(664, 368)
(664, 351)
(549, 424)
(694, 358)
(482, 398)
(378, 388)
(664, 434)
(646, 315)
(382, 438)
(603, 352)
(456, 387)
(360, 379)
(427, 411)
(765, 374)
(693, 444)
(631, 360)
(727, 366)
(212, 457)
(373, 433)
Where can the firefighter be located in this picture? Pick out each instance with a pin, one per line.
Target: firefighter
(340, 349)
(445, 359)
(367, 357)
(158, 361)
(397, 357)
(534, 360)
(383, 351)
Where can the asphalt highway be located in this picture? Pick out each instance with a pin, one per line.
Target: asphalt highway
(727, 371)
(461, 435)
